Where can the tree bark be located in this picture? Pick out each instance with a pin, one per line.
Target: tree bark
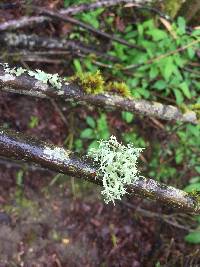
(71, 91)
(21, 147)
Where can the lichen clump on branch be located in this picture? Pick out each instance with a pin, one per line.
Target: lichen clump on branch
(117, 166)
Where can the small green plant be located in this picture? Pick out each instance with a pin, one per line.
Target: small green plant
(33, 122)
(117, 165)
(97, 130)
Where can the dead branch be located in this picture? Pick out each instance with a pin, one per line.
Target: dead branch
(20, 147)
(34, 41)
(26, 21)
(65, 18)
(27, 85)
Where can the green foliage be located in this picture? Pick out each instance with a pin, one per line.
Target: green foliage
(193, 237)
(33, 122)
(97, 130)
(163, 73)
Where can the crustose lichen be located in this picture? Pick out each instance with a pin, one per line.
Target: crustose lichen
(117, 166)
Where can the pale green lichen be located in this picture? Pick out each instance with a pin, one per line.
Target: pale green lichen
(53, 79)
(14, 71)
(117, 166)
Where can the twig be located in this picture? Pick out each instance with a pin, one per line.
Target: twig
(83, 25)
(152, 60)
(18, 146)
(35, 42)
(27, 85)
(30, 21)
(169, 219)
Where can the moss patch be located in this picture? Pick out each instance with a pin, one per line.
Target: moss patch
(92, 83)
(119, 88)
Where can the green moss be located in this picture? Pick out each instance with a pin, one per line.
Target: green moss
(196, 109)
(196, 196)
(92, 83)
(171, 7)
(119, 88)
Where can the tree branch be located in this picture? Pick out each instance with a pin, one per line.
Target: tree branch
(27, 85)
(33, 41)
(20, 147)
(72, 10)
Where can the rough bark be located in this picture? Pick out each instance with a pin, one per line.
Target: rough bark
(27, 85)
(20, 147)
(33, 41)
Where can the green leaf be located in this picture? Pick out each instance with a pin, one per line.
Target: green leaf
(153, 71)
(191, 52)
(167, 67)
(94, 144)
(77, 65)
(181, 24)
(185, 89)
(161, 84)
(91, 122)
(157, 34)
(87, 133)
(193, 237)
(192, 187)
(179, 96)
(127, 116)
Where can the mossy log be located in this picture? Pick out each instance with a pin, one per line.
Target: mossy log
(71, 91)
(24, 148)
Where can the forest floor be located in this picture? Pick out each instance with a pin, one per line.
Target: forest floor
(53, 220)
(42, 223)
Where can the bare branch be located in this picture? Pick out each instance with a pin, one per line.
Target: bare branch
(27, 85)
(31, 21)
(20, 147)
(88, 27)
(34, 41)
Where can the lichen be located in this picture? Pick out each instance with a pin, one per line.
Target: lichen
(53, 79)
(117, 166)
(58, 154)
(92, 83)
(119, 88)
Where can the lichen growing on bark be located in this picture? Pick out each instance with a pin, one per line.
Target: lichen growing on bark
(117, 166)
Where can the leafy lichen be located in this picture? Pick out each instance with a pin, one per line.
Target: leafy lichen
(117, 165)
